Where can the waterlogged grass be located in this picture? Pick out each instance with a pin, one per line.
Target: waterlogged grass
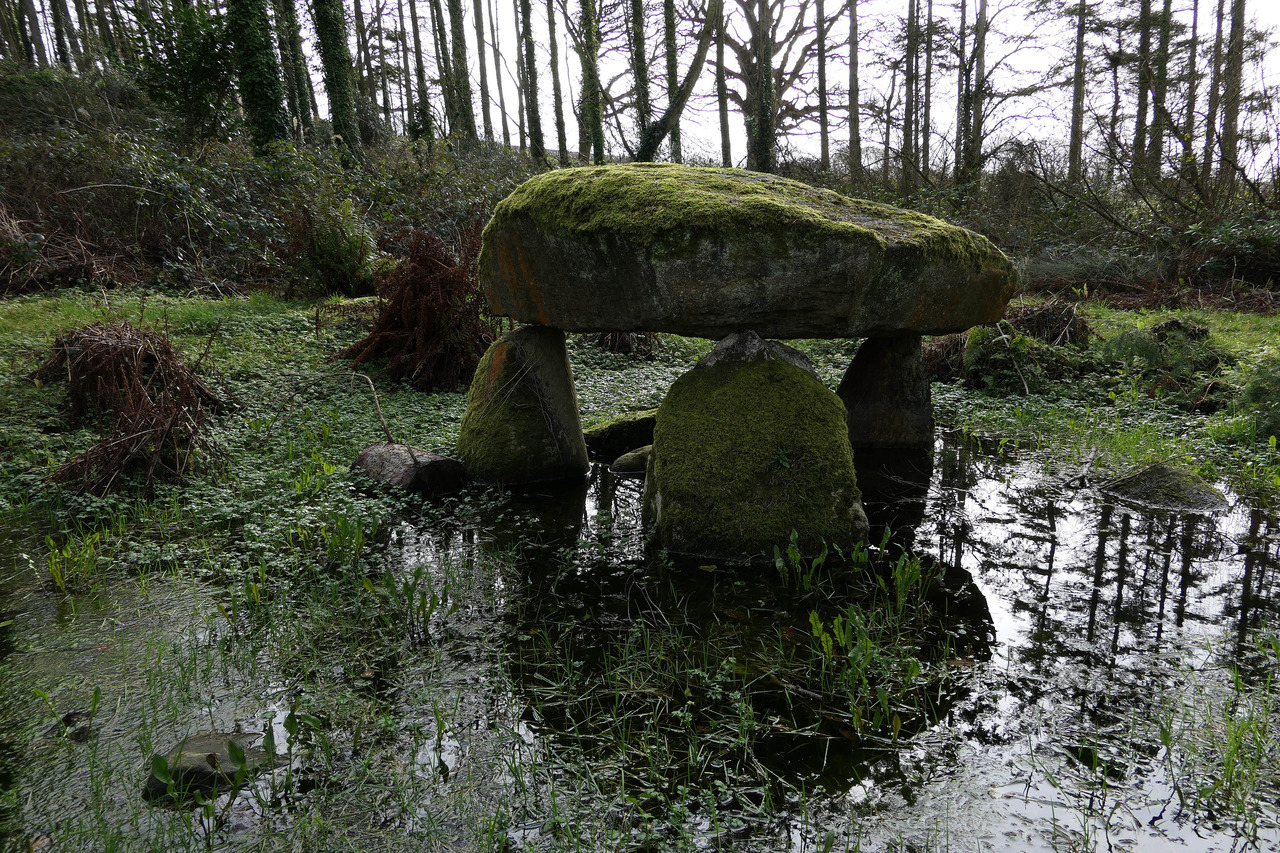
(498, 672)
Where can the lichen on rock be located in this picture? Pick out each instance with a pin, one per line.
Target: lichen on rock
(744, 453)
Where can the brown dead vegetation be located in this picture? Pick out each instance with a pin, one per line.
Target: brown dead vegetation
(152, 407)
(433, 324)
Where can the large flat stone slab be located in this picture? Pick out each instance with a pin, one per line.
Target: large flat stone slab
(707, 252)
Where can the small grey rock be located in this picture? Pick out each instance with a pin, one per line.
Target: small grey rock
(201, 763)
(748, 346)
(405, 467)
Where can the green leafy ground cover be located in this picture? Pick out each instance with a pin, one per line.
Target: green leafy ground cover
(275, 588)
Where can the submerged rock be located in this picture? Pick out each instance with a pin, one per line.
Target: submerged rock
(707, 252)
(745, 451)
(1162, 486)
(405, 467)
(521, 422)
(611, 439)
(203, 764)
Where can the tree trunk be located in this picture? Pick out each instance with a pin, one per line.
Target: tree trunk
(761, 130)
(640, 66)
(557, 98)
(364, 66)
(444, 65)
(1160, 84)
(287, 60)
(466, 127)
(537, 148)
(383, 84)
(261, 92)
(964, 96)
(1075, 147)
(62, 35)
(824, 143)
(497, 76)
(1232, 89)
(1144, 85)
(654, 134)
(855, 118)
(335, 58)
(1188, 133)
(29, 21)
(484, 74)
(1215, 97)
(422, 123)
(973, 147)
(722, 96)
(520, 85)
(907, 153)
(926, 123)
(406, 80)
(592, 111)
(669, 48)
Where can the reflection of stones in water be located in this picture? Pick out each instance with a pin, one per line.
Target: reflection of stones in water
(894, 484)
(598, 634)
(537, 521)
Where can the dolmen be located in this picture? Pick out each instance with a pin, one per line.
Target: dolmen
(749, 445)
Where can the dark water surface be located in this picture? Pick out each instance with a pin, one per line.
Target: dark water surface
(1108, 685)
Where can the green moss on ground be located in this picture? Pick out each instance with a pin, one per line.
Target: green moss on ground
(653, 204)
(744, 455)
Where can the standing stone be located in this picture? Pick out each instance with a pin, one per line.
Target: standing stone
(749, 446)
(521, 423)
(886, 392)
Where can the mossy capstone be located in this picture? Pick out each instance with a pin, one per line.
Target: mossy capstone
(709, 251)
(747, 450)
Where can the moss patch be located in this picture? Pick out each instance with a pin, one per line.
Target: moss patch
(746, 453)
(609, 440)
(521, 422)
(656, 204)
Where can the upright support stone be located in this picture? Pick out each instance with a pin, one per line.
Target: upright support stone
(521, 423)
(748, 447)
(886, 393)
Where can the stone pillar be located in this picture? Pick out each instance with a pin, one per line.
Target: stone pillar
(886, 393)
(748, 447)
(521, 423)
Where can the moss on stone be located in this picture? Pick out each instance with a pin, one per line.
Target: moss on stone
(609, 440)
(746, 453)
(521, 420)
(670, 206)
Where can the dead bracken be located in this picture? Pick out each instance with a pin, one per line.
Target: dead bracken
(152, 406)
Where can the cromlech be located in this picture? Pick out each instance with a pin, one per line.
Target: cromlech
(749, 445)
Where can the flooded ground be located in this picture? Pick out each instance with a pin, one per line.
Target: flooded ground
(1067, 673)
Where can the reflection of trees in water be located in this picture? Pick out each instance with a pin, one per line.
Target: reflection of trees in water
(1099, 584)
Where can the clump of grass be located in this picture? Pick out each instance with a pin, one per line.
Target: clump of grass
(153, 404)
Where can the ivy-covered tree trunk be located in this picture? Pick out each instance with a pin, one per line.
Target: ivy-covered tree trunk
(592, 113)
(335, 58)
(291, 38)
(465, 121)
(722, 96)
(760, 125)
(557, 96)
(261, 91)
(669, 48)
(484, 73)
(640, 67)
(824, 149)
(537, 148)
(421, 126)
(30, 25)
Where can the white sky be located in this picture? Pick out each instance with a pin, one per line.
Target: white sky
(1042, 116)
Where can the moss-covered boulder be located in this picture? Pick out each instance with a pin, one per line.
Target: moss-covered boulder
(521, 421)
(609, 440)
(702, 251)
(745, 451)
